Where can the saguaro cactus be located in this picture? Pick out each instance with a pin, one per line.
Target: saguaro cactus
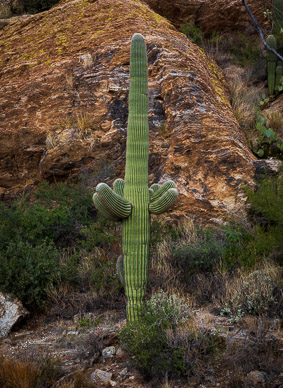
(271, 64)
(275, 41)
(132, 201)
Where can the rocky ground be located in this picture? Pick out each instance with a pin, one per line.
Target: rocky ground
(89, 344)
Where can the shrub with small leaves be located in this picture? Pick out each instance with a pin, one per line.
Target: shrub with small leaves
(253, 293)
(193, 33)
(28, 272)
(145, 339)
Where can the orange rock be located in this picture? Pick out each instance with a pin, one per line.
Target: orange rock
(64, 105)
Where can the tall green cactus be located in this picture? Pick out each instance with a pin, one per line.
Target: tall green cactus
(277, 16)
(275, 41)
(271, 64)
(132, 201)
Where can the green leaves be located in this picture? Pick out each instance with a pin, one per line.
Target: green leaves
(268, 137)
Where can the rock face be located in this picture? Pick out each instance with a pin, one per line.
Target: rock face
(10, 314)
(212, 15)
(64, 105)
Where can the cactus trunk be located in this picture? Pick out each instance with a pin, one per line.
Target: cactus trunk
(135, 235)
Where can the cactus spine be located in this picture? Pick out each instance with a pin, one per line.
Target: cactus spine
(132, 201)
(275, 41)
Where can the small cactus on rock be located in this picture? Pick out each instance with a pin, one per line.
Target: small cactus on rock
(132, 201)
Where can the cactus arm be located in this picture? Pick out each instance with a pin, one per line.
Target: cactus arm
(162, 189)
(113, 203)
(118, 187)
(102, 210)
(163, 203)
(155, 187)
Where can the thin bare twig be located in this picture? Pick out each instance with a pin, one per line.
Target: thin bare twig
(260, 32)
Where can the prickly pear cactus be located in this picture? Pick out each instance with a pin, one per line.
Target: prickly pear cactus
(132, 201)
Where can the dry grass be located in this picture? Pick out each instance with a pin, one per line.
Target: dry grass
(275, 121)
(166, 383)
(244, 100)
(165, 275)
(79, 380)
(18, 374)
(82, 120)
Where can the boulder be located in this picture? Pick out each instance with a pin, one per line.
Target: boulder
(212, 15)
(64, 106)
(11, 312)
(100, 375)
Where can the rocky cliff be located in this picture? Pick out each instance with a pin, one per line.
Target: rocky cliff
(213, 15)
(64, 93)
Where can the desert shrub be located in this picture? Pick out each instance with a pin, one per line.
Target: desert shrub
(202, 256)
(28, 272)
(193, 33)
(266, 205)
(245, 51)
(267, 199)
(53, 236)
(253, 293)
(54, 213)
(237, 246)
(158, 343)
(145, 339)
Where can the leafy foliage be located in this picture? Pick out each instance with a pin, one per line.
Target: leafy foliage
(160, 343)
(193, 33)
(52, 237)
(268, 143)
(29, 271)
(253, 293)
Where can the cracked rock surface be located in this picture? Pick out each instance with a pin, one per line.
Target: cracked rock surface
(64, 106)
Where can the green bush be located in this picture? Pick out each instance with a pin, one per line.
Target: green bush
(55, 214)
(193, 33)
(165, 341)
(146, 338)
(238, 245)
(267, 200)
(245, 51)
(28, 272)
(253, 293)
(202, 256)
(45, 239)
